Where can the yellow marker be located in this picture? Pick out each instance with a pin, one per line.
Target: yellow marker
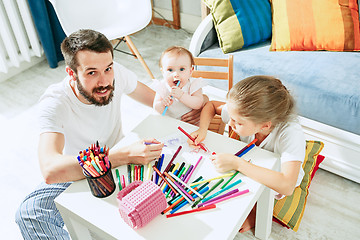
(148, 176)
(209, 180)
(174, 169)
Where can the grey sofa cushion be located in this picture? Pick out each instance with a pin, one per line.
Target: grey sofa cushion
(326, 85)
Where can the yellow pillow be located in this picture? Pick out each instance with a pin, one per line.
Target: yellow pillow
(311, 25)
(289, 210)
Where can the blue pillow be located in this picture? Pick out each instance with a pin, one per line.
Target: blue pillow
(240, 23)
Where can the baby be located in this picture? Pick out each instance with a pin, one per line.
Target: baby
(178, 93)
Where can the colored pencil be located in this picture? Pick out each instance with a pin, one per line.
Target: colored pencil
(159, 173)
(166, 107)
(227, 197)
(207, 193)
(176, 202)
(202, 146)
(186, 185)
(192, 170)
(222, 190)
(180, 202)
(129, 172)
(231, 178)
(219, 197)
(179, 187)
(172, 159)
(241, 153)
(118, 178)
(179, 196)
(244, 148)
(209, 180)
(191, 211)
(184, 203)
(148, 174)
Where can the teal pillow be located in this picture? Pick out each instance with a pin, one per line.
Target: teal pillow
(240, 23)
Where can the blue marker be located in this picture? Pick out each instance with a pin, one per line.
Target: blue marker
(166, 107)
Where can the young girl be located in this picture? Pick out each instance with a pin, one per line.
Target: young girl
(260, 107)
(178, 91)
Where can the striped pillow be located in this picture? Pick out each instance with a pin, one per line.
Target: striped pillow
(289, 210)
(311, 25)
(240, 23)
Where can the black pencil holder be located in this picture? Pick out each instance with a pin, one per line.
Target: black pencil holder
(103, 185)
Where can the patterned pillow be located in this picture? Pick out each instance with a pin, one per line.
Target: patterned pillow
(289, 210)
(240, 23)
(311, 25)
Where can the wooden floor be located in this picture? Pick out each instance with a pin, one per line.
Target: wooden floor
(332, 211)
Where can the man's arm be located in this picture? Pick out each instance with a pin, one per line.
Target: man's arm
(143, 94)
(56, 167)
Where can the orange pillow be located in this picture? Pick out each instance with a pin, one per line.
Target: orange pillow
(310, 25)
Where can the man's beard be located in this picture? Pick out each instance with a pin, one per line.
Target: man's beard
(88, 96)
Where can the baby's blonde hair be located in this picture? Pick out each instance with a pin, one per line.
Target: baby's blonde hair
(177, 50)
(262, 99)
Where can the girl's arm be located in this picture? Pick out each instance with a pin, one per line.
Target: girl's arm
(207, 114)
(282, 182)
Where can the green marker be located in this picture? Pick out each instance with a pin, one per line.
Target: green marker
(118, 178)
(207, 193)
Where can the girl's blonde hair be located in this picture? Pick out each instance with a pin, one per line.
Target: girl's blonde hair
(177, 50)
(262, 99)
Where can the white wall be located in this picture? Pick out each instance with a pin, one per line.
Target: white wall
(190, 12)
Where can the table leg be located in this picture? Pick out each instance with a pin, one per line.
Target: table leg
(75, 228)
(264, 213)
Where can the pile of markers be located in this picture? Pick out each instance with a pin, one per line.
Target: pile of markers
(97, 169)
(94, 160)
(173, 181)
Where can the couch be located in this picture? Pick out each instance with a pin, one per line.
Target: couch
(326, 86)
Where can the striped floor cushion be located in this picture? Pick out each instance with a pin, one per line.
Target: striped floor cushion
(289, 210)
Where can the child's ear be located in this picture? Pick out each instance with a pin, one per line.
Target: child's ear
(266, 126)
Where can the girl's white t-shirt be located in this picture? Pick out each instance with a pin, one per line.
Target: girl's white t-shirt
(83, 124)
(286, 139)
(177, 109)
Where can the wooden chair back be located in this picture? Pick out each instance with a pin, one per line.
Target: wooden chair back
(216, 62)
(216, 125)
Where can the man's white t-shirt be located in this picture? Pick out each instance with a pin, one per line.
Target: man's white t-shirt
(84, 124)
(286, 139)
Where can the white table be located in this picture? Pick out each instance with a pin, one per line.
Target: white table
(86, 216)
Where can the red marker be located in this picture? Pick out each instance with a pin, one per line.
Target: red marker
(191, 211)
(192, 139)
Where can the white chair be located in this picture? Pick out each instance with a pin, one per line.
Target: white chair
(116, 19)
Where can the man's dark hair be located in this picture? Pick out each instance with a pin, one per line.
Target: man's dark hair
(84, 39)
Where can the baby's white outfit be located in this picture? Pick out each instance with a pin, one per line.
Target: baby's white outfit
(177, 109)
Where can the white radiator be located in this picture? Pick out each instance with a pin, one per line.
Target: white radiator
(18, 38)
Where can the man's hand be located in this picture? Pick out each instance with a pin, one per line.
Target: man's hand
(145, 151)
(193, 117)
